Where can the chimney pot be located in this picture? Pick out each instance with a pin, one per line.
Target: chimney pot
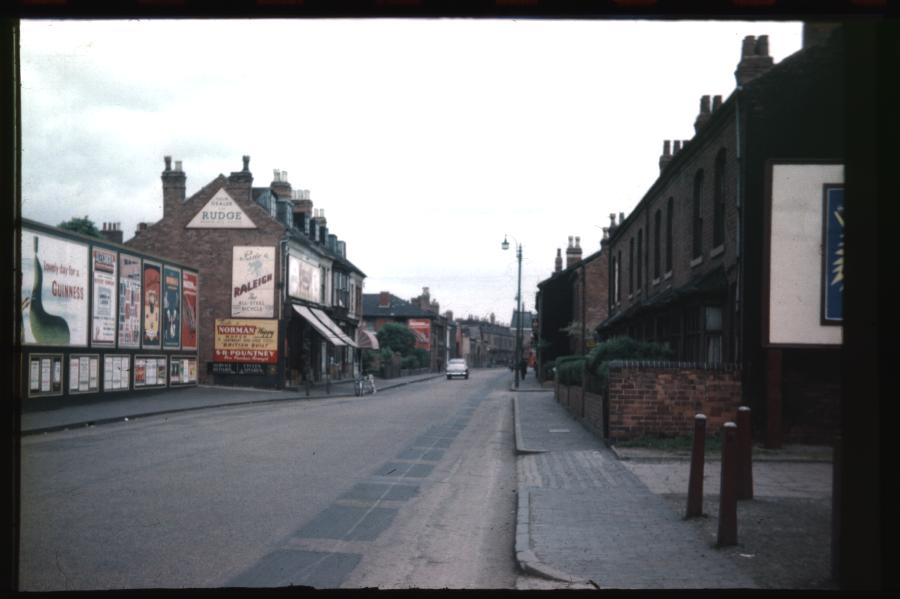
(577, 242)
(168, 161)
(748, 46)
(621, 217)
(762, 45)
(605, 232)
(178, 166)
(677, 147)
(704, 104)
(246, 160)
(666, 148)
(717, 103)
(570, 241)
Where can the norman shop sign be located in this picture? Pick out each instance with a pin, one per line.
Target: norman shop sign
(250, 341)
(221, 212)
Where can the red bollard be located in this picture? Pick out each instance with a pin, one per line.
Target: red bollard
(727, 493)
(745, 454)
(695, 482)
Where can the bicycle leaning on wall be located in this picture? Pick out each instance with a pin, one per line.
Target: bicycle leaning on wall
(363, 385)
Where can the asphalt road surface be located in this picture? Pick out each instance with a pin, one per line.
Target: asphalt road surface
(410, 488)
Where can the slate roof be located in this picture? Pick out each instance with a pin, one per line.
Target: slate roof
(398, 307)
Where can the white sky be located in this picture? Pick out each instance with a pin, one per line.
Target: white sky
(424, 141)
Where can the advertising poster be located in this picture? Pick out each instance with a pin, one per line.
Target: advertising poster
(129, 301)
(833, 264)
(221, 212)
(54, 290)
(422, 329)
(253, 282)
(188, 310)
(152, 321)
(171, 313)
(103, 317)
(140, 372)
(304, 279)
(254, 341)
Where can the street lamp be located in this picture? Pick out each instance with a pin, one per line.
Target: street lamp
(518, 358)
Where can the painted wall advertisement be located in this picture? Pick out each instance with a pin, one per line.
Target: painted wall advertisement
(152, 320)
(171, 312)
(54, 290)
(253, 341)
(129, 301)
(253, 282)
(103, 317)
(221, 212)
(188, 310)
(304, 279)
(422, 330)
(833, 263)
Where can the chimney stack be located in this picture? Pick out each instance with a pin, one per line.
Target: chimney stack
(666, 156)
(755, 59)
(703, 117)
(111, 232)
(557, 267)
(573, 252)
(243, 177)
(717, 103)
(280, 186)
(173, 184)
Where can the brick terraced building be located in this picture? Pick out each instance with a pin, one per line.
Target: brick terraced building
(282, 303)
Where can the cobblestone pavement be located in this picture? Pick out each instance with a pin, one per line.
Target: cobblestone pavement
(589, 519)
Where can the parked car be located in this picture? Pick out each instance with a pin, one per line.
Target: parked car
(457, 367)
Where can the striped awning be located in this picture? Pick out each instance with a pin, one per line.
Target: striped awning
(366, 339)
(333, 327)
(319, 326)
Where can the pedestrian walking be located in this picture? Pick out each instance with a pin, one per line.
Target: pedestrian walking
(523, 366)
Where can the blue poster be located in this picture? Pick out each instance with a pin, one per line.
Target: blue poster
(171, 312)
(833, 267)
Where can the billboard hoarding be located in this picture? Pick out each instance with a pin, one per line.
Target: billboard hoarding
(129, 301)
(171, 307)
(151, 321)
(54, 301)
(103, 312)
(189, 319)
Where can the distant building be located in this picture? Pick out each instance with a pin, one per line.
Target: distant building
(571, 303)
(420, 316)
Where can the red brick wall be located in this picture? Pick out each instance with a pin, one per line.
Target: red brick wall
(210, 250)
(653, 401)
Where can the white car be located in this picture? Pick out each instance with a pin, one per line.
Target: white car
(457, 367)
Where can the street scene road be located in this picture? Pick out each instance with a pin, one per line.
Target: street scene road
(411, 487)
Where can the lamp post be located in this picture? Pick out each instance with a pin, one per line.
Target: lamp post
(518, 358)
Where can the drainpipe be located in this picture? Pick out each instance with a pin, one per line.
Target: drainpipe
(281, 314)
(739, 250)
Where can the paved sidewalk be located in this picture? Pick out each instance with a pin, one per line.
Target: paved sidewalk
(590, 519)
(71, 413)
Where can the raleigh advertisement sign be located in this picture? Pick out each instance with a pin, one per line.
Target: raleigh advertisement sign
(54, 290)
(253, 282)
(221, 212)
(254, 341)
(103, 321)
(129, 301)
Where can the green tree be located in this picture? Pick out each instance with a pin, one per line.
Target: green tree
(84, 225)
(397, 337)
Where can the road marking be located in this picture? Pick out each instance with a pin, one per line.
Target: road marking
(560, 430)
